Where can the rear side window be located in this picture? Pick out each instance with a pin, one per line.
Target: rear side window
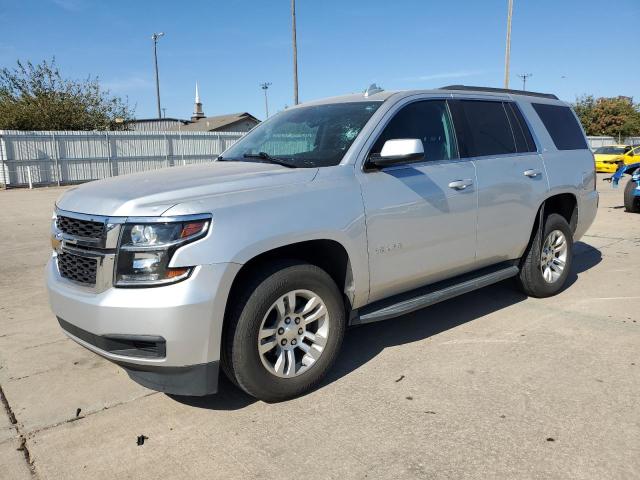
(483, 128)
(562, 125)
(521, 133)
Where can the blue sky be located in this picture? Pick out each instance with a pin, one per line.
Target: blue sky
(571, 47)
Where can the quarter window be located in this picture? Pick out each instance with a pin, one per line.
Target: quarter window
(562, 125)
(427, 120)
(521, 133)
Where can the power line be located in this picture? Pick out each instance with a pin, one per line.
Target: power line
(507, 53)
(155, 38)
(295, 52)
(265, 86)
(524, 77)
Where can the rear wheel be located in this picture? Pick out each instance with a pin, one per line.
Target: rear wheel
(546, 264)
(285, 331)
(631, 202)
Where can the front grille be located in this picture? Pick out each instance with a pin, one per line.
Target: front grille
(80, 228)
(77, 268)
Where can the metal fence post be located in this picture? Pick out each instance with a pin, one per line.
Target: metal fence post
(5, 180)
(166, 149)
(56, 154)
(181, 144)
(109, 160)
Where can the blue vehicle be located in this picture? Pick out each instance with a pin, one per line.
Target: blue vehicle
(632, 189)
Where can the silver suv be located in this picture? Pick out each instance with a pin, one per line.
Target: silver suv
(334, 213)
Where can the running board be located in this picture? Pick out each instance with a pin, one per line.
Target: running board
(383, 310)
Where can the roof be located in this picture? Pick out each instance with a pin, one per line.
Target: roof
(385, 94)
(153, 120)
(467, 88)
(212, 123)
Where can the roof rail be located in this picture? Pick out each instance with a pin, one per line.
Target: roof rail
(499, 90)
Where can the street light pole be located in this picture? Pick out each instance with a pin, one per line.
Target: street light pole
(507, 53)
(265, 86)
(295, 52)
(524, 77)
(155, 38)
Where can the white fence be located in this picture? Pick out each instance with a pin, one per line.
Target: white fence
(595, 142)
(66, 157)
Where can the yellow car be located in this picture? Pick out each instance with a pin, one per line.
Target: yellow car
(610, 157)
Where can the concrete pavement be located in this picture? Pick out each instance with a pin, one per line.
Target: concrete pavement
(489, 385)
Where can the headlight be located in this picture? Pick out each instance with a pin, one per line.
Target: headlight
(146, 249)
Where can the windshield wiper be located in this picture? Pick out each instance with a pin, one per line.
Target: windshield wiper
(269, 158)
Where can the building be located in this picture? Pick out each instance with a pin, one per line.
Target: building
(232, 122)
(156, 124)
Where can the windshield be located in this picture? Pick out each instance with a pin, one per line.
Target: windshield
(610, 150)
(315, 136)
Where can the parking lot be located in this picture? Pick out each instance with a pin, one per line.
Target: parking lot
(488, 385)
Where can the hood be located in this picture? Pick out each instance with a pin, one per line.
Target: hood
(154, 192)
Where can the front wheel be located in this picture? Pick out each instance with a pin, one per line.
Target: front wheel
(546, 263)
(285, 331)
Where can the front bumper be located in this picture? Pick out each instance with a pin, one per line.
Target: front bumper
(183, 321)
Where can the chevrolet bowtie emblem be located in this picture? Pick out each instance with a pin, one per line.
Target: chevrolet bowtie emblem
(56, 243)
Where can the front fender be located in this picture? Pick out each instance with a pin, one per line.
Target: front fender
(246, 224)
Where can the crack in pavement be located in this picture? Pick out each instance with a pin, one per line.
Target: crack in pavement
(88, 414)
(22, 437)
(46, 343)
(23, 441)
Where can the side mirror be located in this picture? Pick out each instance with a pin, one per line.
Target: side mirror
(405, 150)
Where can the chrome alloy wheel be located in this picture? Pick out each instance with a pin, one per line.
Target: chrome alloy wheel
(553, 257)
(293, 333)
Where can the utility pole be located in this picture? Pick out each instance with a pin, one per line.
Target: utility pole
(265, 86)
(507, 53)
(524, 77)
(295, 52)
(155, 38)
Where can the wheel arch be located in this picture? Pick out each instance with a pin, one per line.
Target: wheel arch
(564, 204)
(327, 254)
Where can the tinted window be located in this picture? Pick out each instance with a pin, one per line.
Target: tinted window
(521, 132)
(430, 122)
(483, 128)
(562, 126)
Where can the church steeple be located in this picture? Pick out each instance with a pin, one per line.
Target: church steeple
(197, 108)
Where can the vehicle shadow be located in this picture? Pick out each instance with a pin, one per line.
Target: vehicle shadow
(229, 397)
(585, 257)
(365, 342)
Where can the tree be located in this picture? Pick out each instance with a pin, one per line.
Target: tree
(37, 97)
(616, 117)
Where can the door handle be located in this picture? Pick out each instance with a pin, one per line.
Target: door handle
(532, 173)
(460, 184)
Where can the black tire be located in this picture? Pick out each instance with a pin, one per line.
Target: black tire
(241, 360)
(530, 279)
(631, 202)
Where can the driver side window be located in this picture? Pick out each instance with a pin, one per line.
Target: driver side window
(427, 120)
